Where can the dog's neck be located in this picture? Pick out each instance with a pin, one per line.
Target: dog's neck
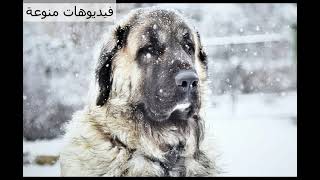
(166, 145)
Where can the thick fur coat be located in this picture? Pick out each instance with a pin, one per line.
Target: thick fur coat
(120, 132)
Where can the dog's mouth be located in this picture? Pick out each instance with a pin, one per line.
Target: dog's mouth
(180, 112)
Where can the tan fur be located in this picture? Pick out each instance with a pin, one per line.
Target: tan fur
(106, 141)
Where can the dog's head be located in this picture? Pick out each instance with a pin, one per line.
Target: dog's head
(154, 61)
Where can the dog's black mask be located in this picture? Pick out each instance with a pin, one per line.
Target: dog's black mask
(166, 56)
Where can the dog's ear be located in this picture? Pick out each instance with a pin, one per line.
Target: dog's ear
(202, 55)
(104, 70)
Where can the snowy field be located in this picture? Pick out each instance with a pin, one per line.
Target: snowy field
(257, 138)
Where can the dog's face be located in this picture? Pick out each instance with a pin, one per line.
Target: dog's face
(170, 59)
(167, 57)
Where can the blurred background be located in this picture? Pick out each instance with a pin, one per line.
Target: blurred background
(251, 117)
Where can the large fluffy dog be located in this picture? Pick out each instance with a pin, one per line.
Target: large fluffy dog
(146, 117)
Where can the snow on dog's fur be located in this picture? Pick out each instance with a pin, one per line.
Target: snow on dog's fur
(140, 122)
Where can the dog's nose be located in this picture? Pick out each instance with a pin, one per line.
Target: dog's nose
(187, 80)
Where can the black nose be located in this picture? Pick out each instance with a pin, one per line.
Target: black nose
(187, 80)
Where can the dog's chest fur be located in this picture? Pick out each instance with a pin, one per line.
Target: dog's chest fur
(109, 146)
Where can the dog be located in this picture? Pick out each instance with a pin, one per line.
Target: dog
(146, 116)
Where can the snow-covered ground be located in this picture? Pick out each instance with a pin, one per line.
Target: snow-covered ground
(258, 138)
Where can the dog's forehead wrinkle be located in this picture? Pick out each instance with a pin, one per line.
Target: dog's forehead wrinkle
(162, 32)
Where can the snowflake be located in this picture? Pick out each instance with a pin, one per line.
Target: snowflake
(154, 26)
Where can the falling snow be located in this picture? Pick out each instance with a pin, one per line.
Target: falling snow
(257, 28)
(155, 26)
(251, 101)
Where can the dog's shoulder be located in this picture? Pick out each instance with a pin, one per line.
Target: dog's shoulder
(91, 147)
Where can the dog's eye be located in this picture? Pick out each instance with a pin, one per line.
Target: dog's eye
(149, 51)
(187, 44)
(146, 50)
(189, 48)
(152, 50)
